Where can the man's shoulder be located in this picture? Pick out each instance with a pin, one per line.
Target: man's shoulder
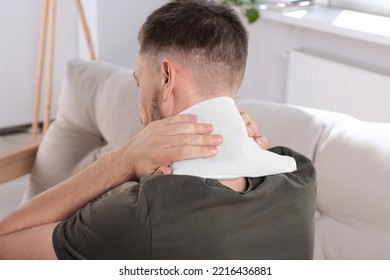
(305, 167)
(302, 180)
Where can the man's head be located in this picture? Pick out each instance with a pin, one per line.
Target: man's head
(190, 50)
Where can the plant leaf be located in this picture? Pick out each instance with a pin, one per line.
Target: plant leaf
(252, 14)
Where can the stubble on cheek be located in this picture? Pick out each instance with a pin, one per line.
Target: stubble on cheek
(155, 110)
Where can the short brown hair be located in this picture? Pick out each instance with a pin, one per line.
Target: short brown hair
(209, 35)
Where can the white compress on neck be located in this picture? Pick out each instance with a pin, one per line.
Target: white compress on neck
(238, 155)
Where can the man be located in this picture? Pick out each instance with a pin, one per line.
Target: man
(244, 203)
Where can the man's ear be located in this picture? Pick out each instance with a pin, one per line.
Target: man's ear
(168, 79)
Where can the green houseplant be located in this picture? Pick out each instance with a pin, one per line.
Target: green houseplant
(250, 8)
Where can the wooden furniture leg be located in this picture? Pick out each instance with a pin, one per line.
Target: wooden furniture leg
(86, 30)
(50, 66)
(41, 58)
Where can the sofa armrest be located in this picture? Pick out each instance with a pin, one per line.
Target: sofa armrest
(17, 162)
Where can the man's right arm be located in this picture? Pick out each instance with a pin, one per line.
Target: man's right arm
(27, 232)
(160, 143)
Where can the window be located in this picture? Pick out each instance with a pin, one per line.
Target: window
(381, 7)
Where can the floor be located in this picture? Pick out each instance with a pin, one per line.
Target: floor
(11, 193)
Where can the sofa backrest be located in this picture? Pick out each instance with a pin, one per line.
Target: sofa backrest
(285, 125)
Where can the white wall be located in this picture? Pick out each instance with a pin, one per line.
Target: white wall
(267, 69)
(118, 23)
(19, 39)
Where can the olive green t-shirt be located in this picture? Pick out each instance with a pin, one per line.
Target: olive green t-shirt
(186, 217)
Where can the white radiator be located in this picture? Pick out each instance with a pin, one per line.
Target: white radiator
(321, 83)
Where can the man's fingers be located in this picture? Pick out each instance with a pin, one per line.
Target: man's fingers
(253, 131)
(185, 152)
(262, 141)
(163, 170)
(185, 118)
(245, 117)
(251, 126)
(196, 140)
(189, 128)
(181, 124)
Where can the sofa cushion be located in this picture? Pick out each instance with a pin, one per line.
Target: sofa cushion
(353, 171)
(98, 111)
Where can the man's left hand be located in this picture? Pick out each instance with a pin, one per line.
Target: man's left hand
(253, 131)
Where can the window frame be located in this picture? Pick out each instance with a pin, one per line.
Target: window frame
(380, 7)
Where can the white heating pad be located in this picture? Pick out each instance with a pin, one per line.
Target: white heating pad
(238, 155)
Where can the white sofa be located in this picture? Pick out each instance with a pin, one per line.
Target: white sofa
(99, 111)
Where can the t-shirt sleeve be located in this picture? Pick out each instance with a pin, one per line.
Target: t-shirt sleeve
(114, 227)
